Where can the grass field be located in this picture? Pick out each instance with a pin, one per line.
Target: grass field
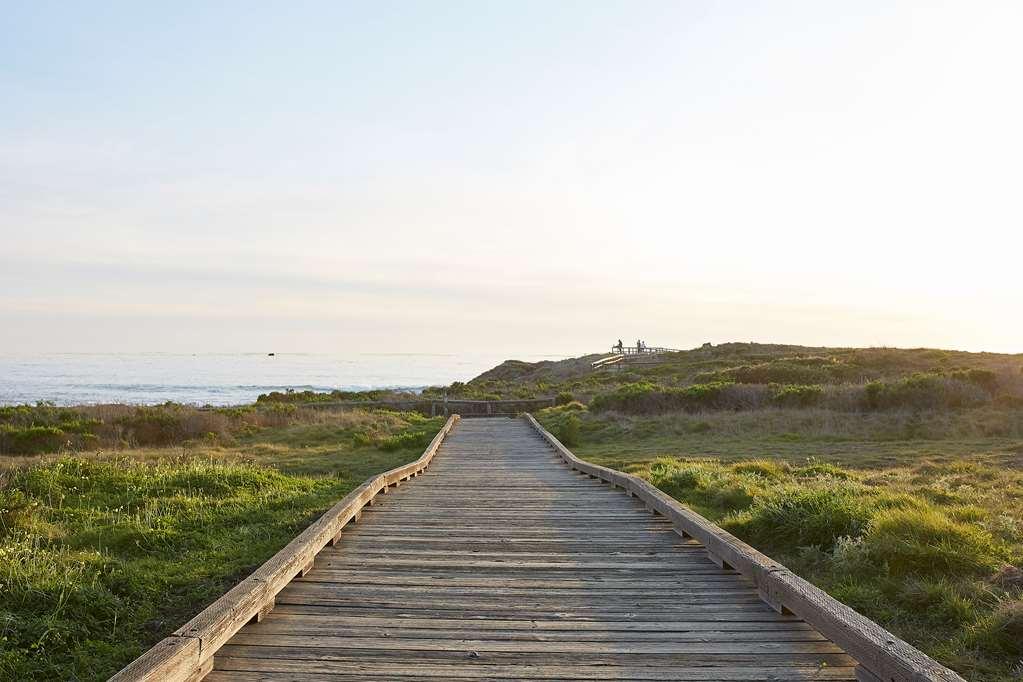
(913, 518)
(104, 553)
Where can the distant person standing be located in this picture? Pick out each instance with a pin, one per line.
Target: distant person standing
(620, 347)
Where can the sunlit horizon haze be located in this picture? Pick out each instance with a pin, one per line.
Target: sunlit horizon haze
(509, 177)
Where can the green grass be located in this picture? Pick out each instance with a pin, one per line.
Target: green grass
(914, 519)
(102, 555)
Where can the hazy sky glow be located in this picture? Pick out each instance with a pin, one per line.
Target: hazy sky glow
(521, 176)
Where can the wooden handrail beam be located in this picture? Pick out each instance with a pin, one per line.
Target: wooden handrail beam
(609, 360)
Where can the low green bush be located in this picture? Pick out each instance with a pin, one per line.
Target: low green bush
(924, 541)
(1001, 633)
(924, 391)
(709, 486)
(14, 509)
(799, 371)
(568, 434)
(940, 601)
(41, 428)
(796, 395)
(410, 439)
(648, 398)
(985, 378)
(151, 426)
(800, 516)
(765, 468)
(291, 396)
(31, 440)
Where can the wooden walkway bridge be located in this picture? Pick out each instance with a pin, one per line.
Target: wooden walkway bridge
(502, 561)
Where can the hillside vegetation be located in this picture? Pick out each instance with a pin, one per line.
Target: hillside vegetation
(751, 376)
(893, 479)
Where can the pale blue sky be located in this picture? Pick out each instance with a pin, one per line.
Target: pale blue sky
(521, 176)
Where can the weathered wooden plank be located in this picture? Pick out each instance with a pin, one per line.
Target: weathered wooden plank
(237, 670)
(647, 615)
(674, 581)
(709, 646)
(508, 587)
(693, 623)
(512, 605)
(310, 626)
(679, 596)
(499, 668)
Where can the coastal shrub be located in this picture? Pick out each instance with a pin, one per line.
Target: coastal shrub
(805, 371)
(815, 468)
(648, 398)
(557, 412)
(707, 484)
(764, 468)
(924, 391)
(1001, 633)
(799, 516)
(30, 440)
(797, 395)
(171, 423)
(41, 428)
(408, 439)
(564, 421)
(676, 478)
(32, 430)
(924, 541)
(152, 426)
(14, 509)
(940, 601)
(292, 396)
(635, 397)
(568, 433)
(985, 378)
(564, 398)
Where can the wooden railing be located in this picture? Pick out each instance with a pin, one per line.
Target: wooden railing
(187, 654)
(882, 656)
(641, 350)
(609, 360)
(438, 406)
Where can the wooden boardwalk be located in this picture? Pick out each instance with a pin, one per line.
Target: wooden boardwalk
(500, 562)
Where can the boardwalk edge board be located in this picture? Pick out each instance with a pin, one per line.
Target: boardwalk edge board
(882, 656)
(187, 654)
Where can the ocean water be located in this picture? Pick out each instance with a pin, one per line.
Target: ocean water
(222, 379)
